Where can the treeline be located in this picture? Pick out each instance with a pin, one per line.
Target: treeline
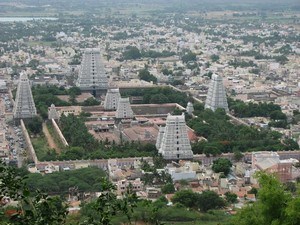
(58, 183)
(223, 136)
(242, 109)
(158, 95)
(132, 52)
(158, 212)
(261, 109)
(76, 133)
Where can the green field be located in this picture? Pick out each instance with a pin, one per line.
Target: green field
(41, 147)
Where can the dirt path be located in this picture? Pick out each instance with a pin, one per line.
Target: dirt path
(49, 138)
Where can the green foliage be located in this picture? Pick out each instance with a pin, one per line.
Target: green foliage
(189, 56)
(214, 58)
(275, 205)
(34, 125)
(241, 63)
(131, 52)
(231, 197)
(277, 115)
(90, 102)
(186, 198)
(33, 63)
(76, 133)
(223, 136)
(165, 71)
(34, 208)
(158, 94)
(144, 74)
(74, 91)
(242, 109)
(155, 54)
(205, 201)
(44, 96)
(222, 165)
(209, 200)
(107, 205)
(168, 188)
(85, 179)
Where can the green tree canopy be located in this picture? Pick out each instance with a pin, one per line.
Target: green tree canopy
(144, 74)
(131, 52)
(222, 165)
(275, 205)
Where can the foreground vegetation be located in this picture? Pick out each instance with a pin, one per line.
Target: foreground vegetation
(85, 180)
(275, 205)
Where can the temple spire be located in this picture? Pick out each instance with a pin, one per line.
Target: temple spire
(175, 143)
(216, 96)
(24, 106)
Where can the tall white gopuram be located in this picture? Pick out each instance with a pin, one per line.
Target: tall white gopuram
(24, 106)
(92, 76)
(216, 96)
(112, 99)
(52, 113)
(124, 110)
(190, 108)
(175, 143)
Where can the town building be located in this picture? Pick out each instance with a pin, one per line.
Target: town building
(270, 162)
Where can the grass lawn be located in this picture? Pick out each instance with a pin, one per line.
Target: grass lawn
(40, 146)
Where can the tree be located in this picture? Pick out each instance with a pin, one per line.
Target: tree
(168, 188)
(131, 52)
(34, 125)
(185, 197)
(189, 56)
(231, 197)
(209, 200)
(275, 205)
(33, 63)
(34, 208)
(214, 58)
(237, 155)
(108, 205)
(277, 115)
(222, 165)
(144, 74)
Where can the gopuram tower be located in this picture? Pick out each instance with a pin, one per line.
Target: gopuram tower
(216, 96)
(175, 144)
(92, 76)
(24, 106)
